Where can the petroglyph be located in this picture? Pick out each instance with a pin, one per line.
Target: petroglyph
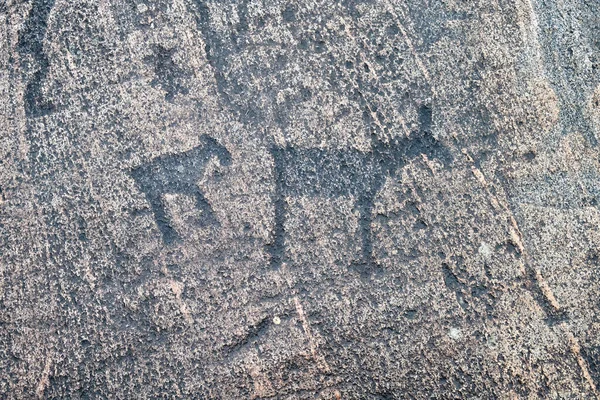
(332, 173)
(179, 174)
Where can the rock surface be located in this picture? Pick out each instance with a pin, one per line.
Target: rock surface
(252, 199)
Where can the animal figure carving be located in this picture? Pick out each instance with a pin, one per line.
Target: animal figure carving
(326, 173)
(179, 174)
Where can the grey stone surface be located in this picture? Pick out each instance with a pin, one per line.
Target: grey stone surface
(299, 199)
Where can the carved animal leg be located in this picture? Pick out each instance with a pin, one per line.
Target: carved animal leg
(366, 208)
(160, 216)
(208, 215)
(277, 248)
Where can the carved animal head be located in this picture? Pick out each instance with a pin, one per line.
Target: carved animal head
(398, 151)
(424, 142)
(215, 148)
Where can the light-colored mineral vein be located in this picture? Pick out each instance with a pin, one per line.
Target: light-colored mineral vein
(45, 379)
(321, 362)
(409, 43)
(517, 238)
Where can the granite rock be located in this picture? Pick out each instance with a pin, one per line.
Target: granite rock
(353, 199)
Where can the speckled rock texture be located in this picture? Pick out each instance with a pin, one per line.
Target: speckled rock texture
(311, 199)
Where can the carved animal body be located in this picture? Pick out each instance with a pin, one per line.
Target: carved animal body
(179, 174)
(325, 173)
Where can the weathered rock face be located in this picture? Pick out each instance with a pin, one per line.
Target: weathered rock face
(295, 200)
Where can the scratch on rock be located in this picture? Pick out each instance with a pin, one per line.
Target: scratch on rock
(429, 163)
(481, 178)
(373, 113)
(576, 350)
(262, 385)
(177, 288)
(517, 237)
(529, 26)
(321, 362)
(409, 43)
(41, 387)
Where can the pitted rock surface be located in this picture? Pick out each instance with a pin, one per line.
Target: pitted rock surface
(308, 199)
